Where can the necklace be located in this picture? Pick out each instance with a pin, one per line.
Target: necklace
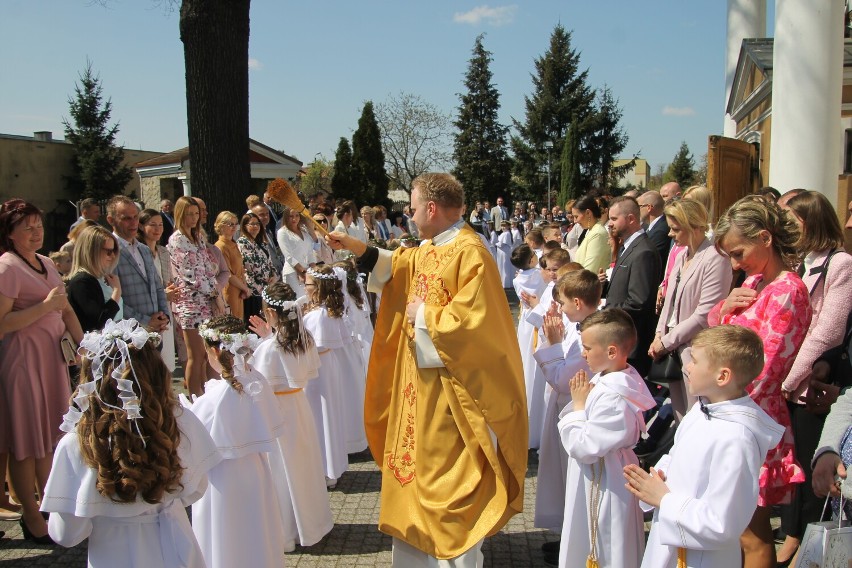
(41, 271)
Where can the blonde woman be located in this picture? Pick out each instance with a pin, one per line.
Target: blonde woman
(94, 291)
(194, 270)
(236, 290)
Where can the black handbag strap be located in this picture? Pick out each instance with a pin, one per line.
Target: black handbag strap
(822, 270)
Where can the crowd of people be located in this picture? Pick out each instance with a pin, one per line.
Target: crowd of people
(709, 344)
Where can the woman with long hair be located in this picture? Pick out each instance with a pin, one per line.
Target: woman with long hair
(34, 380)
(194, 270)
(761, 240)
(150, 232)
(298, 248)
(94, 291)
(825, 270)
(258, 265)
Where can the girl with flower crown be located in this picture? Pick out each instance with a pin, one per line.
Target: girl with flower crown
(324, 320)
(289, 360)
(237, 522)
(132, 458)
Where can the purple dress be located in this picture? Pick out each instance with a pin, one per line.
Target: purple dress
(34, 382)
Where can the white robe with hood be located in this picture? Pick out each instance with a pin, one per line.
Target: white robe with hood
(603, 434)
(712, 471)
(504, 258)
(533, 375)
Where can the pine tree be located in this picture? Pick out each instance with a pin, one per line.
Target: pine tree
(571, 181)
(607, 141)
(342, 183)
(682, 168)
(368, 161)
(98, 163)
(560, 93)
(480, 150)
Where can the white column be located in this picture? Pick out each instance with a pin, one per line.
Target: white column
(807, 82)
(187, 188)
(746, 19)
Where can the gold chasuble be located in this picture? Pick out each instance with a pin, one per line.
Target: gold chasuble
(451, 441)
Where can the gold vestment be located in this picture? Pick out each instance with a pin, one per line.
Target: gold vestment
(445, 484)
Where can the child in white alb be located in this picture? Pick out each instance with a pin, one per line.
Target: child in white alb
(705, 490)
(603, 522)
(132, 459)
(577, 293)
(238, 522)
(288, 358)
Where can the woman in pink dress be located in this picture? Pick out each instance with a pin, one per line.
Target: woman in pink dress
(760, 240)
(34, 381)
(194, 270)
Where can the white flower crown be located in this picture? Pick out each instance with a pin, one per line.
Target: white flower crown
(315, 274)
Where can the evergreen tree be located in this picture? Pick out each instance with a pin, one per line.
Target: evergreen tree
(571, 181)
(98, 166)
(480, 150)
(341, 182)
(560, 93)
(682, 168)
(607, 141)
(368, 161)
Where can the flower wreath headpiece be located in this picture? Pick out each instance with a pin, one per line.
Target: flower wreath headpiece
(292, 311)
(315, 274)
(111, 344)
(240, 345)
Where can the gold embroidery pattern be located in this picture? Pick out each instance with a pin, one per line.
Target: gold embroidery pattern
(402, 466)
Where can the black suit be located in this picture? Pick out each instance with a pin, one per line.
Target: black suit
(633, 288)
(659, 237)
(168, 228)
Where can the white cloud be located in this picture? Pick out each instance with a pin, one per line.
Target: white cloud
(678, 111)
(254, 64)
(497, 16)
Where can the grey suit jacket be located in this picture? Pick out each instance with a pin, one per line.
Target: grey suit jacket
(142, 293)
(633, 287)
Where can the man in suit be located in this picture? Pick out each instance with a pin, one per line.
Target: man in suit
(273, 218)
(90, 210)
(499, 213)
(168, 221)
(635, 277)
(141, 288)
(651, 205)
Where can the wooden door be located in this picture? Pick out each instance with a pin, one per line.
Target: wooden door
(732, 171)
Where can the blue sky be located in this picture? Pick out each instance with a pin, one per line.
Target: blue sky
(314, 63)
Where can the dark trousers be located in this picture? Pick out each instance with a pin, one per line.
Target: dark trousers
(805, 507)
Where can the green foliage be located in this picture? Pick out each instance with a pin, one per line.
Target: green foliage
(415, 138)
(607, 141)
(342, 183)
(482, 161)
(368, 161)
(318, 177)
(682, 168)
(98, 163)
(571, 181)
(561, 93)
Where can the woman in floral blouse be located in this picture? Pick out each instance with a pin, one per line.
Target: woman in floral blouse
(259, 269)
(194, 271)
(761, 241)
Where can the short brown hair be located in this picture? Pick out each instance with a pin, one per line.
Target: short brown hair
(734, 346)
(581, 284)
(444, 189)
(253, 200)
(559, 255)
(618, 327)
(820, 224)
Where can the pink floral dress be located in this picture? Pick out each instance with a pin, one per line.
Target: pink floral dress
(781, 316)
(194, 272)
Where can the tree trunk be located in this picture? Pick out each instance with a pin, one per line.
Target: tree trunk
(215, 36)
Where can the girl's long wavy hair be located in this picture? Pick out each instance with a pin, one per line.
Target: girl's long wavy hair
(328, 292)
(352, 286)
(226, 323)
(128, 468)
(288, 332)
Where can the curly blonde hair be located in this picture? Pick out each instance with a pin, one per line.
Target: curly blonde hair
(129, 465)
(753, 214)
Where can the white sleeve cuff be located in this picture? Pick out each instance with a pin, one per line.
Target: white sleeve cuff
(381, 272)
(427, 355)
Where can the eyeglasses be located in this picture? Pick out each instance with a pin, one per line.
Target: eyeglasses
(323, 221)
(110, 251)
(229, 224)
(252, 224)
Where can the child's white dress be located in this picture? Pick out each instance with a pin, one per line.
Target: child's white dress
(533, 376)
(504, 258)
(598, 440)
(559, 363)
(326, 394)
(712, 471)
(130, 535)
(297, 463)
(238, 521)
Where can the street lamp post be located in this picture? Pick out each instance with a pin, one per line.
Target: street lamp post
(549, 145)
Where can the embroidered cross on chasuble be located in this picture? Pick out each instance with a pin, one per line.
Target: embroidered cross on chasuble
(450, 440)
